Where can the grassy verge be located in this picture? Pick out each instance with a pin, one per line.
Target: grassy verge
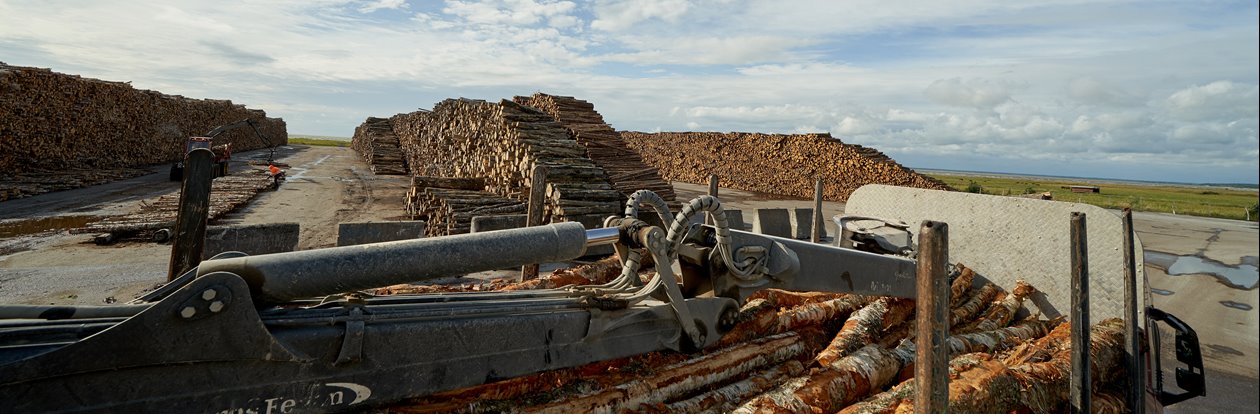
(1195, 201)
(320, 142)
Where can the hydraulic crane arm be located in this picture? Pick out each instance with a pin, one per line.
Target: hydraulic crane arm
(271, 147)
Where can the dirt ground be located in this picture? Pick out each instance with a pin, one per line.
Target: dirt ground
(330, 185)
(325, 186)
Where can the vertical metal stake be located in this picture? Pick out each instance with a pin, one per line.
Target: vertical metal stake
(534, 215)
(194, 210)
(931, 360)
(815, 235)
(1132, 337)
(1080, 385)
(713, 191)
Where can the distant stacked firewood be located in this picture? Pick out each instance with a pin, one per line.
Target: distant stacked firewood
(773, 163)
(227, 193)
(626, 169)
(375, 141)
(449, 204)
(58, 121)
(502, 143)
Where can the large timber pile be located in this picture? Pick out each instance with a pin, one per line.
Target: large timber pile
(376, 141)
(815, 352)
(774, 163)
(626, 169)
(501, 142)
(82, 130)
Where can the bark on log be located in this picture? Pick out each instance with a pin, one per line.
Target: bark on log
(684, 377)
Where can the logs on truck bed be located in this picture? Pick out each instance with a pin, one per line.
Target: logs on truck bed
(626, 170)
(55, 121)
(773, 163)
(768, 364)
(375, 140)
(503, 142)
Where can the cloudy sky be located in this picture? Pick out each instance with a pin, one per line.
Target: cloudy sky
(1147, 90)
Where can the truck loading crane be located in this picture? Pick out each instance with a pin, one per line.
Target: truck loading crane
(222, 152)
(291, 331)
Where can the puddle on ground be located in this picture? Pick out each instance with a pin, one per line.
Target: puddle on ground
(40, 225)
(1242, 276)
(1162, 292)
(1236, 305)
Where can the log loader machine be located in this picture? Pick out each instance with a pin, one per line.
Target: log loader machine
(292, 332)
(222, 152)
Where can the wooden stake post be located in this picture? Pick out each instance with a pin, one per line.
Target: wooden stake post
(534, 217)
(931, 358)
(194, 210)
(1080, 382)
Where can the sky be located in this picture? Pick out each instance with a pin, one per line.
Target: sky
(1142, 90)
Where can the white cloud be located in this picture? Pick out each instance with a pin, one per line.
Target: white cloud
(976, 93)
(1216, 100)
(617, 15)
(383, 5)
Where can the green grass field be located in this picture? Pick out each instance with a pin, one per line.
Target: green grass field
(1192, 200)
(317, 141)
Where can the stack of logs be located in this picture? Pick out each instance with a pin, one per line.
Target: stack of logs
(774, 163)
(819, 352)
(626, 169)
(375, 140)
(227, 193)
(54, 121)
(502, 143)
(448, 205)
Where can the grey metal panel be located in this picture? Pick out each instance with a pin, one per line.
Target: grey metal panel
(772, 222)
(1009, 238)
(350, 234)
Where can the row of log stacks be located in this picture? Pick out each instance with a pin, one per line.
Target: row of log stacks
(626, 170)
(448, 205)
(375, 140)
(502, 142)
(57, 121)
(807, 353)
(227, 193)
(773, 163)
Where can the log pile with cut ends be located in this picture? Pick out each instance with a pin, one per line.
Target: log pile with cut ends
(375, 140)
(448, 205)
(626, 170)
(58, 121)
(502, 142)
(814, 352)
(773, 163)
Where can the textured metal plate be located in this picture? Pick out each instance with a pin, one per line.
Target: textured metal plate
(1008, 238)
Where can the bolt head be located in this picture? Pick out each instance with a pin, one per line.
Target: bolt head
(209, 294)
(216, 306)
(187, 312)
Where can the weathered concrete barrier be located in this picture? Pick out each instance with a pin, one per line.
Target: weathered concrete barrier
(349, 234)
(735, 218)
(492, 223)
(251, 239)
(772, 222)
